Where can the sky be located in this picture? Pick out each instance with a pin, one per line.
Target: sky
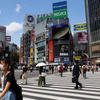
(12, 14)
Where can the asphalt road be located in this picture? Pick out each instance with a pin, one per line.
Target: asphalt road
(18, 72)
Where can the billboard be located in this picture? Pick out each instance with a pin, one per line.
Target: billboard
(29, 20)
(78, 27)
(82, 37)
(51, 50)
(44, 16)
(60, 10)
(60, 31)
(8, 38)
(64, 50)
(32, 35)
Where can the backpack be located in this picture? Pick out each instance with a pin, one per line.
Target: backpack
(62, 68)
(18, 92)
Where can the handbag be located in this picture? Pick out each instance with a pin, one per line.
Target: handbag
(74, 79)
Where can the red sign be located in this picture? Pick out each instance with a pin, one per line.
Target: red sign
(82, 37)
(8, 38)
(32, 35)
(51, 50)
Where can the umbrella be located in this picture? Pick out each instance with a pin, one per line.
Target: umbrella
(40, 64)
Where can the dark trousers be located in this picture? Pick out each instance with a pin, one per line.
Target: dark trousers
(41, 79)
(78, 83)
(61, 73)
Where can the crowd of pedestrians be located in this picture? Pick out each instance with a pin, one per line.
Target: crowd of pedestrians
(8, 81)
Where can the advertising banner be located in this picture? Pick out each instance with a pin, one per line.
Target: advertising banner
(65, 59)
(31, 52)
(51, 50)
(82, 37)
(60, 14)
(57, 60)
(60, 5)
(60, 10)
(64, 50)
(78, 27)
(29, 20)
(77, 57)
(32, 35)
(8, 38)
(40, 18)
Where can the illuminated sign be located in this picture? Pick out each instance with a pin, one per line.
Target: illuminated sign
(60, 10)
(80, 27)
(60, 14)
(30, 18)
(77, 57)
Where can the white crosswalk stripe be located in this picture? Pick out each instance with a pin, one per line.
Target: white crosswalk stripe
(61, 88)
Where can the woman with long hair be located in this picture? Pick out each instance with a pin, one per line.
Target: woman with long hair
(9, 81)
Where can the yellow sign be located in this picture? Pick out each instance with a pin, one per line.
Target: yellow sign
(80, 27)
(31, 55)
(77, 57)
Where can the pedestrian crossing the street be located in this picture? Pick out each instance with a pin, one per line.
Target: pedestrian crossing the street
(61, 88)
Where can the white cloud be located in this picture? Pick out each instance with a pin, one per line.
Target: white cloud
(0, 11)
(14, 27)
(18, 7)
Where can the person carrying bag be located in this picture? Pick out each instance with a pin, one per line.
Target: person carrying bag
(76, 73)
(9, 92)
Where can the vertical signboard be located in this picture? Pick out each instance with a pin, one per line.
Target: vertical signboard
(51, 50)
(60, 10)
(32, 35)
(31, 55)
(50, 33)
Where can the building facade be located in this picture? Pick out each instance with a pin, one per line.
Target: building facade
(93, 25)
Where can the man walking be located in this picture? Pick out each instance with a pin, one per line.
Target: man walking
(76, 73)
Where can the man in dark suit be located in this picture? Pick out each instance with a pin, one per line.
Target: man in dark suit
(76, 73)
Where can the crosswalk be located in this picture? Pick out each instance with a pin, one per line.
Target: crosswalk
(61, 88)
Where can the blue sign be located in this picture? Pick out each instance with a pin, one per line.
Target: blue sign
(30, 18)
(58, 26)
(60, 5)
(57, 60)
(78, 27)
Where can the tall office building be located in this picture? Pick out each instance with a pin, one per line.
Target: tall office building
(93, 24)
